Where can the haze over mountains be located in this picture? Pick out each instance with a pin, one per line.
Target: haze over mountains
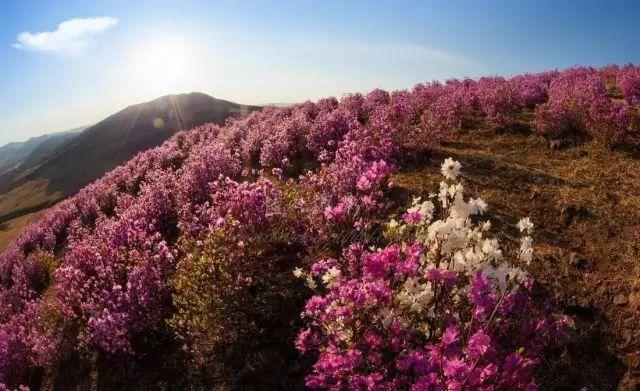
(12, 155)
(43, 170)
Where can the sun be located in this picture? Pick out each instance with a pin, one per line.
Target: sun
(162, 65)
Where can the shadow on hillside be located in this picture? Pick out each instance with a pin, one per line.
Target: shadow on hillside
(528, 189)
(476, 167)
(586, 359)
(630, 147)
(163, 368)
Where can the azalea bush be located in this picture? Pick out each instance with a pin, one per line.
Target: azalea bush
(578, 106)
(533, 89)
(454, 108)
(439, 307)
(161, 247)
(499, 100)
(629, 83)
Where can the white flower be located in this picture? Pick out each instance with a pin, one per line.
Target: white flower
(518, 275)
(454, 241)
(415, 295)
(450, 168)
(297, 272)
(473, 257)
(525, 225)
(504, 273)
(478, 206)
(499, 275)
(386, 317)
(459, 262)
(424, 208)
(486, 225)
(460, 209)
(526, 249)
(456, 189)
(492, 249)
(330, 276)
(310, 283)
(443, 193)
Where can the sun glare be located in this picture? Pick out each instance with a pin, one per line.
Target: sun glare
(163, 65)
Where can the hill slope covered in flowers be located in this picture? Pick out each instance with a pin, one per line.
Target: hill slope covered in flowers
(281, 241)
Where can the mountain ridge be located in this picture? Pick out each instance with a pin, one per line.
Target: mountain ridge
(53, 174)
(13, 154)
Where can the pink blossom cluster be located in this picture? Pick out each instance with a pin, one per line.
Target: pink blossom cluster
(101, 263)
(437, 308)
(109, 253)
(628, 79)
(579, 105)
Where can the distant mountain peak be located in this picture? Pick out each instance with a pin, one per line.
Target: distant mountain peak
(61, 171)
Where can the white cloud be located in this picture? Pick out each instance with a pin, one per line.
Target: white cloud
(73, 36)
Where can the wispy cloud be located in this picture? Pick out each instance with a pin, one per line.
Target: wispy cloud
(405, 50)
(73, 36)
(402, 51)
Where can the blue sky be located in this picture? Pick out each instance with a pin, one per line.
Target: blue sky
(277, 51)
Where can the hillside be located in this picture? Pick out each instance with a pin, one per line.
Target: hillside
(13, 155)
(50, 173)
(476, 234)
(45, 149)
(12, 228)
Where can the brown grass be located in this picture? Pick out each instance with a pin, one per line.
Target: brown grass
(10, 229)
(585, 204)
(26, 198)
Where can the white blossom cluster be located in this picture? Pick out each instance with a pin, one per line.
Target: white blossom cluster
(425, 209)
(309, 282)
(455, 242)
(415, 294)
(452, 243)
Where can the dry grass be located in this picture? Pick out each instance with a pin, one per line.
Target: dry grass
(28, 197)
(585, 204)
(10, 229)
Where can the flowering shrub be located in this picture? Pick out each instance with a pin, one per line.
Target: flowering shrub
(191, 228)
(114, 281)
(214, 284)
(532, 89)
(440, 307)
(629, 83)
(570, 94)
(328, 129)
(455, 106)
(578, 104)
(608, 121)
(498, 99)
(26, 340)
